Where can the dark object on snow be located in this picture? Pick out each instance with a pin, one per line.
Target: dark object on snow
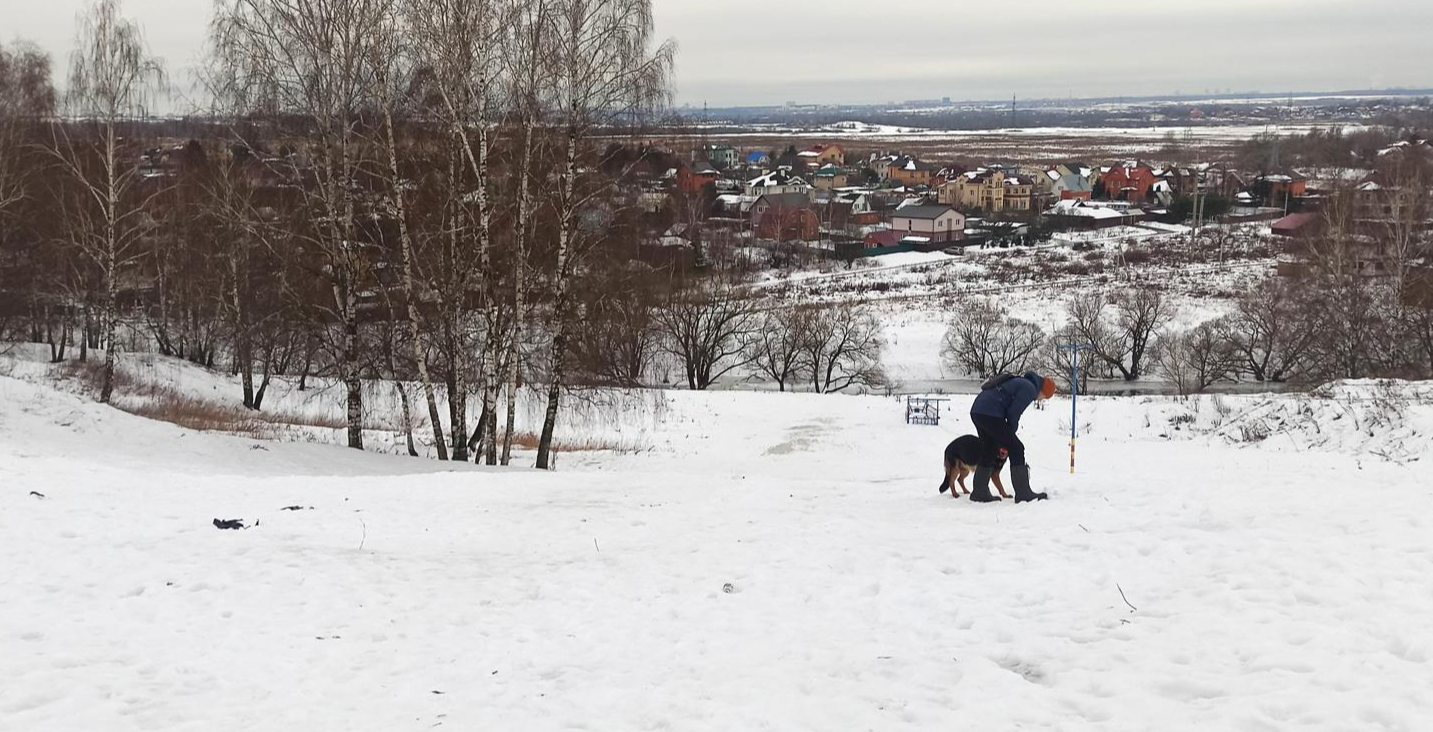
(728, 588)
(37, 494)
(229, 524)
(980, 489)
(297, 508)
(965, 449)
(1020, 475)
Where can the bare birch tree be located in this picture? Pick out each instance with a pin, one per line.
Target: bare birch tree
(112, 82)
(528, 25)
(457, 45)
(27, 101)
(313, 60)
(605, 73)
(395, 77)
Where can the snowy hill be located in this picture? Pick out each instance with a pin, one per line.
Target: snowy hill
(767, 561)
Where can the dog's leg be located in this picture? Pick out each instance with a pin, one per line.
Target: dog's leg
(998, 485)
(964, 470)
(953, 478)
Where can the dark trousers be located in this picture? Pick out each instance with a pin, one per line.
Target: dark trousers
(995, 433)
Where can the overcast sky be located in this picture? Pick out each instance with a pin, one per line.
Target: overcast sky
(739, 52)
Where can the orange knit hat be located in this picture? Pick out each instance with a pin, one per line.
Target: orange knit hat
(1048, 390)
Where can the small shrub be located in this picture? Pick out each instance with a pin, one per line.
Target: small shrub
(1137, 256)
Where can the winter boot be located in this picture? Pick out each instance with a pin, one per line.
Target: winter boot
(980, 493)
(1020, 476)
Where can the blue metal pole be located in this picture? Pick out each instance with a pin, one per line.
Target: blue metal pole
(1074, 401)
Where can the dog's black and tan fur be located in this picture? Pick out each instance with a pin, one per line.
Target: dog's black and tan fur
(962, 456)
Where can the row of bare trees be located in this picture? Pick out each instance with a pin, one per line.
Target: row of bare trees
(1303, 330)
(1358, 303)
(716, 328)
(409, 190)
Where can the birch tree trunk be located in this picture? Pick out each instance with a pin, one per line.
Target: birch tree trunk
(410, 291)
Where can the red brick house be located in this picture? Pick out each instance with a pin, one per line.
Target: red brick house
(1129, 183)
(785, 217)
(693, 178)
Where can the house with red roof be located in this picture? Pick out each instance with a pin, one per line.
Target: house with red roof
(1129, 183)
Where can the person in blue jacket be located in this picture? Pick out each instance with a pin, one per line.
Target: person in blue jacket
(996, 414)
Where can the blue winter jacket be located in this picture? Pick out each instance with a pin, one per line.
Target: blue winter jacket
(1009, 400)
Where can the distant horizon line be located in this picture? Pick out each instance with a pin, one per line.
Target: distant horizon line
(1213, 95)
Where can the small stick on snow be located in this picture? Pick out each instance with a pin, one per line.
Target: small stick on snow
(1083, 527)
(594, 544)
(365, 534)
(1122, 597)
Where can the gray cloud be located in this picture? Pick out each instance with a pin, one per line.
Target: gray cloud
(772, 51)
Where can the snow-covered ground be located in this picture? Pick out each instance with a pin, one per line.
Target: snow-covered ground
(772, 561)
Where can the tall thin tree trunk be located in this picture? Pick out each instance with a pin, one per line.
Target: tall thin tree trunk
(349, 367)
(411, 292)
(524, 212)
(111, 256)
(560, 319)
(488, 425)
(85, 333)
(455, 306)
(243, 348)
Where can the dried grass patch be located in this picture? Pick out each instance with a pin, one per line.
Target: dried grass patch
(529, 441)
(167, 404)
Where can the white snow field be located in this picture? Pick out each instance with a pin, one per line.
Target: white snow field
(772, 562)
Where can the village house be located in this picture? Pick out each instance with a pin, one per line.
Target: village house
(1402, 148)
(1130, 182)
(937, 222)
(785, 217)
(989, 191)
(693, 178)
(1280, 189)
(1071, 181)
(1375, 201)
(947, 174)
(911, 172)
(1299, 226)
(818, 156)
(777, 181)
(1078, 213)
(881, 165)
(723, 157)
(830, 177)
(849, 213)
(887, 240)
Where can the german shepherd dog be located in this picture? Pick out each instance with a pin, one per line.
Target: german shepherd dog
(962, 456)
